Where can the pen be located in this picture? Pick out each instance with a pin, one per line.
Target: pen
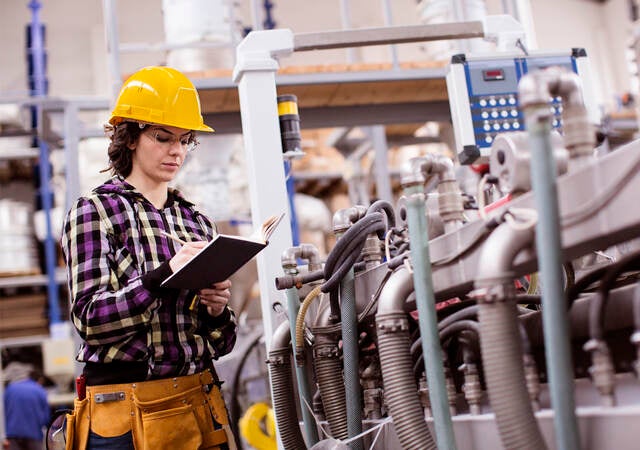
(194, 300)
(172, 237)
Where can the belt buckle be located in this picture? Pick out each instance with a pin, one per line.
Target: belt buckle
(109, 397)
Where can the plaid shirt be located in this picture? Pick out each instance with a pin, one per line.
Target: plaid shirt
(111, 238)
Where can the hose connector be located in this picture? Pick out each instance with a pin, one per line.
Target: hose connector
(452, 394)
(344, 218)
(532, 380)
(371, 252)
(423, 394)
(601, 370)
(472, 388)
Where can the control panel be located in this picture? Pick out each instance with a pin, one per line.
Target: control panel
(483, 97)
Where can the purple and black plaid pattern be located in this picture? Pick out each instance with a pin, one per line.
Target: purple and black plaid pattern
(111, 238)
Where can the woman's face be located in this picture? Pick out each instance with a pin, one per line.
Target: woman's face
(160, 152)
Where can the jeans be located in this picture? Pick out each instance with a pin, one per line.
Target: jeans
(123, 442)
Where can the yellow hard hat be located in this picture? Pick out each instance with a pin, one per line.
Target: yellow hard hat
(159, 95)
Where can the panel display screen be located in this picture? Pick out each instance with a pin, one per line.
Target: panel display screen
(493, 75)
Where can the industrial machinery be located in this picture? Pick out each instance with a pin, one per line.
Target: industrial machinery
(422, 329)
(483, 95)
(530, 364)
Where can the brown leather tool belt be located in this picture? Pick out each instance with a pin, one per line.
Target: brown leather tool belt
(174, 413)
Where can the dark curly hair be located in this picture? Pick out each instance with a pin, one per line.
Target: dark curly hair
(125, 135)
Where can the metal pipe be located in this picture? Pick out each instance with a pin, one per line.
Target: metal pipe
(111, 28)
(291, 191)
(548, 247)
(304, 391)
(578, 133)
(40, 91)
(388, 21)
(422, 169)
(289, 265)
(387, 35)
(345, 15)
(309, 252)
(427, 317)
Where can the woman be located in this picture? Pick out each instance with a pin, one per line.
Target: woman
(148, 350)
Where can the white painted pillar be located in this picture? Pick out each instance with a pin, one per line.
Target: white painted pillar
(255, 74)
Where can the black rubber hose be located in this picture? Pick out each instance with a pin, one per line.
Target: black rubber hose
(344, 266)
(385, 207)
(346, 239)
(457, 327)
(350, 252)
(445, 332)
(584, 282)
(334, 305)
(600, 299)
(352, 239)
(471, 312)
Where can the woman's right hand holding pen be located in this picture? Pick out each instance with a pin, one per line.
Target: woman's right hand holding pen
(186, 252)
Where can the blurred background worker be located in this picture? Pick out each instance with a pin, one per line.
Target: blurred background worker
(25, 406)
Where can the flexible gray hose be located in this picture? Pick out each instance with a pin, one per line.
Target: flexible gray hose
(399, 384)
(331, 384)
(400, 387)
(504, 374)
(279, 362)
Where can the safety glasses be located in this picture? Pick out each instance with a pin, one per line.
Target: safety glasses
(167, 140)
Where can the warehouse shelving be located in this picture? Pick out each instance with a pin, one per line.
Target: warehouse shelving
(64, 134)
(59, 276)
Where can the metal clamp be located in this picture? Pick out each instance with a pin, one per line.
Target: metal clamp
(109, 397)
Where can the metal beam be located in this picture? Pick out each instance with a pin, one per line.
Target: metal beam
(347, 116)
(386, 35)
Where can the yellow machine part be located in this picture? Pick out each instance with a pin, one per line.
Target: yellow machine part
(253, 424)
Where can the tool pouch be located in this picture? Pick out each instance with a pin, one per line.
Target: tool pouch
(221, 418)
(169, 423)
(78, 423)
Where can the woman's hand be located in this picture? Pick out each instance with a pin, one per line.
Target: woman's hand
(186, 252)
(216, 297)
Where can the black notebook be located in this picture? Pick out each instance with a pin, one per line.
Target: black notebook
(221, 258)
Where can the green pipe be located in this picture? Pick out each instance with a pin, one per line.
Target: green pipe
(427, 318)
(304, 391)
(349, 324)
(555, 317)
